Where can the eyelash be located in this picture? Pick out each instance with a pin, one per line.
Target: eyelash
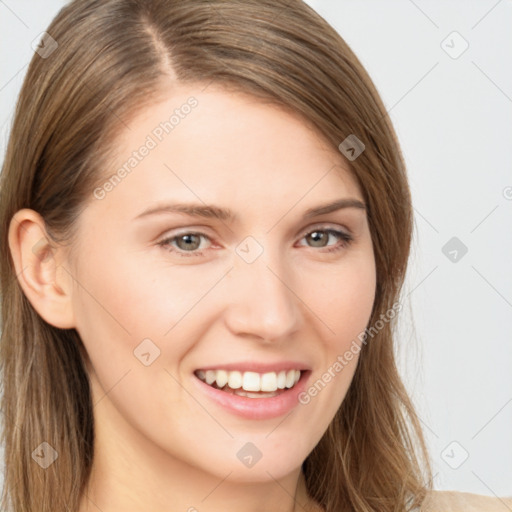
(345, 238)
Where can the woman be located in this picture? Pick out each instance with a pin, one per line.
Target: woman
(206, 224)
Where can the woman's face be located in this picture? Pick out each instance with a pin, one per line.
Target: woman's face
(163, 298)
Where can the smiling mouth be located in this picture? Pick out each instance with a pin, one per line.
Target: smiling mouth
(250, 384)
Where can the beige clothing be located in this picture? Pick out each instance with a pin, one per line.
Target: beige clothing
(454, 501)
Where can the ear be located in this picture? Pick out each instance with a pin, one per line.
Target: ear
(37, 261)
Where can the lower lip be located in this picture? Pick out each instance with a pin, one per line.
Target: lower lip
(256, 408)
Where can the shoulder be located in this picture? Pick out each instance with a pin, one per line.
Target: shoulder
(454, 501)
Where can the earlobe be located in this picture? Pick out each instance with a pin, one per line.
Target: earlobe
(36, 260)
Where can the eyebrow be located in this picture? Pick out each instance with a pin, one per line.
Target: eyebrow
(225, 214)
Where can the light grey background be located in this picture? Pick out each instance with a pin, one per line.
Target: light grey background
(453, 115)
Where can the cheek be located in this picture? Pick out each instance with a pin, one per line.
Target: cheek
(344, 304)
(138, 318)
(133, 323)
(347, 300)
(115, 312)
(122, 300)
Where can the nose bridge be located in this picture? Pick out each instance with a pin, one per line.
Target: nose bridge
(263, 303)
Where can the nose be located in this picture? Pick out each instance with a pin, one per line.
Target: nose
(262, 301)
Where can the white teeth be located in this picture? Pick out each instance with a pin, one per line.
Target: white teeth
(281, 380)
(234, 380)
(251, 381)
(210, 376)
(269, 381)
(290, 378)
(222, 378)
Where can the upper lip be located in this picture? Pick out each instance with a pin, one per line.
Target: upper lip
(252, 366)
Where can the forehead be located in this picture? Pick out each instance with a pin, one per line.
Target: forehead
(215, 146)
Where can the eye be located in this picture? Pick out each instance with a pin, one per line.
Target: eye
(320, 237)
(186, 244)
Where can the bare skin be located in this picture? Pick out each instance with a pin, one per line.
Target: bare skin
(161, 443)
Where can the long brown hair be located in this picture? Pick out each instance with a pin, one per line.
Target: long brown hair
(110, 62)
